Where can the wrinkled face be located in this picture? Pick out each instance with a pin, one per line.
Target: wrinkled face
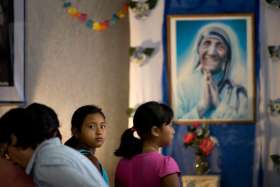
(212, 53)
(166, 134)
(93, 131)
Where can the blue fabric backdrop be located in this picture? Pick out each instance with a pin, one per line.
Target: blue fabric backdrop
(233, 158)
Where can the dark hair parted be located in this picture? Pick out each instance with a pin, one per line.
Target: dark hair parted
(78, 118)
(146, 116)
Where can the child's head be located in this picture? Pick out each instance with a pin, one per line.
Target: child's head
(151, 120)
(149, 115)
(89, 126)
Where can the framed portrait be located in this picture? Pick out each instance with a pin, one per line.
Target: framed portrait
(201, 181)
(12, 51)
(211, 68)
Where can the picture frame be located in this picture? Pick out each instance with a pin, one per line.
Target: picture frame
(211, 68)
(12, 52)
(200, 181)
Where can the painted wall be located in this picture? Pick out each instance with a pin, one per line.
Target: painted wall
(268, 129)
(69, 65)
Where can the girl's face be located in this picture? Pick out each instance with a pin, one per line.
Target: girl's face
(166, 134)
(93, 131)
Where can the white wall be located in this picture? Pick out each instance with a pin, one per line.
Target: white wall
(268, 127)
(69, 65)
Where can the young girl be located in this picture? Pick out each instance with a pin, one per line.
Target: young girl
(88, 127)
(142, 165)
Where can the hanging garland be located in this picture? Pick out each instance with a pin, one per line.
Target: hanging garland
(90, 23)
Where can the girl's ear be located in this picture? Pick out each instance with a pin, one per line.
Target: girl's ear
(75, 132)
(155, 131)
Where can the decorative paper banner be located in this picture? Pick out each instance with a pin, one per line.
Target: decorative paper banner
(73, 11)
(274, 52)
(145, 80)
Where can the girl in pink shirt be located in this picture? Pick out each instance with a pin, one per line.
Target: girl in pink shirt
(142, 165)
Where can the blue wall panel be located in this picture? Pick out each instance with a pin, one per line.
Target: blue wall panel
(233, 158)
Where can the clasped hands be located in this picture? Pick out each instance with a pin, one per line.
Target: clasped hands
(209, 96)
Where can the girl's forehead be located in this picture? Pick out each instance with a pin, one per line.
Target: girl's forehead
(94, 117)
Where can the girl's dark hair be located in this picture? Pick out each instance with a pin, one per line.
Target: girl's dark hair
(72, 142)
(146, 116)
(130, 145)
(78, 118)
(48, 120)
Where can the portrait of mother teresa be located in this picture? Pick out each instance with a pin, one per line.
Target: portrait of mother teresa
(213, 85)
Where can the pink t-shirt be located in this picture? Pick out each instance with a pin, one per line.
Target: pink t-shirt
(145, 170)
(13, 176)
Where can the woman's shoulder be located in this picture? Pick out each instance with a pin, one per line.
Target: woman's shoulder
(12, 175)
